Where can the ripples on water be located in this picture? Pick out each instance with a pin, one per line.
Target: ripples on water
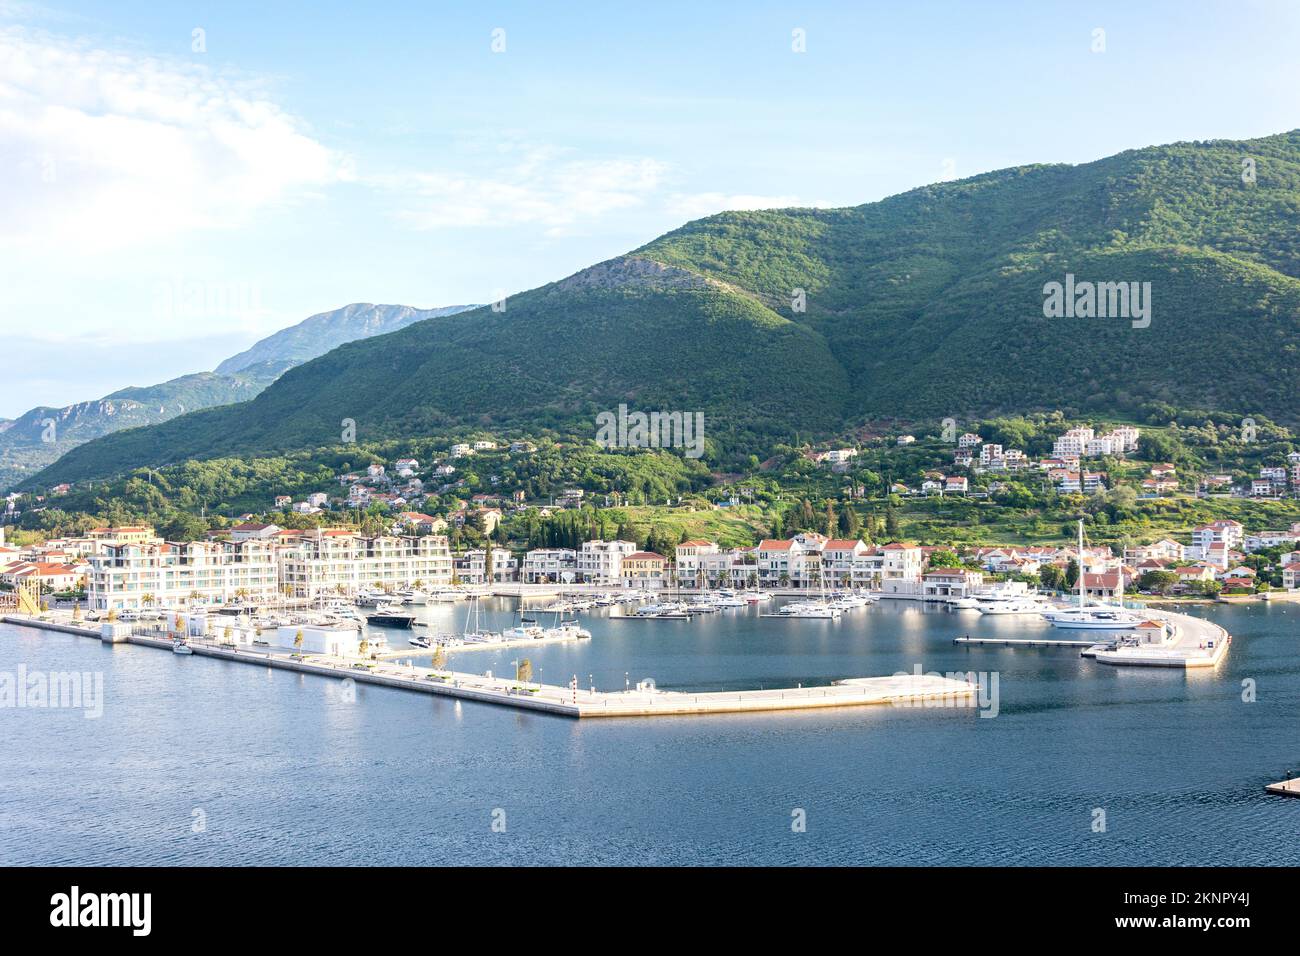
(284, 769)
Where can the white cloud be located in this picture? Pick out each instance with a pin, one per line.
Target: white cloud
(698, 205)
(540, 188)
(103, 148)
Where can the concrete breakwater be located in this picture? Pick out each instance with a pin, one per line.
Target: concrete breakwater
(644, 700)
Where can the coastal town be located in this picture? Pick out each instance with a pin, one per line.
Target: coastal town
(366, 533)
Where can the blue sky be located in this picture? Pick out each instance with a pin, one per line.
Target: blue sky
(161, 206)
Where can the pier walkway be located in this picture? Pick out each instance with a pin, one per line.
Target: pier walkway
(570, 701)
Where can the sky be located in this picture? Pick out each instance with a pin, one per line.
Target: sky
(179, 180)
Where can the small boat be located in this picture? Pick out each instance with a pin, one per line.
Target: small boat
(568, 630)
(391, 615)
(813, 609)
(180, 647)
(1012, 606)
(419, 642)
(754, 597)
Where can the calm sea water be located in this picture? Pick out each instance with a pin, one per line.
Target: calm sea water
(204, 762)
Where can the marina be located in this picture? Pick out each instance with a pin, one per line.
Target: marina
(568, 783)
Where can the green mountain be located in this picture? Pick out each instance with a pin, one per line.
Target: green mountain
(926, 304)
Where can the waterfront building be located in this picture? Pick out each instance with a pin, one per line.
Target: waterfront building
(550, 566)
(171, 573)
(338, 561)
(689, 558)
(471, 566)
(900, 572)
(645, 570)
(601, 562)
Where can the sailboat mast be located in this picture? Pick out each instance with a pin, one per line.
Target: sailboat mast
(1081, 601)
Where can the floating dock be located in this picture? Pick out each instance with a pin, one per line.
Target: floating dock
(649, 617)
(1287, 788)
(1026, 641)
(571, 701)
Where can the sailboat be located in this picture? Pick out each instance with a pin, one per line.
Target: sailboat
(475, 634)
(1097, 616)
(819, 609)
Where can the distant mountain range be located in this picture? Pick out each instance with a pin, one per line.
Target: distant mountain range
(810, 321)
(39, 436)
(320, 333)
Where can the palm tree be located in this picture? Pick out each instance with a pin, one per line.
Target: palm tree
(439, 658)
(146, 598)
(297, 642)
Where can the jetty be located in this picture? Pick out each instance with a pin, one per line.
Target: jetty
(1026, 641)
(643, 700)
(1192, 643)
(1287, 788)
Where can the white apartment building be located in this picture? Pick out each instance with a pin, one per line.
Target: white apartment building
(690, 562)
(1073, 444)
(601, 562)
(902, 562)
(851, 563)
(550, 566)
(471, 566)
(343, 562)
(1270, 539)
(122, 575)
(1227, 532)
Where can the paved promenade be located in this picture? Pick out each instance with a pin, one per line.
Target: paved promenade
(1194, 643)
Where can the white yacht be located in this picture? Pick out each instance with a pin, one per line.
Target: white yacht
(756, 597)
(817, 609)
(1022, 605)
(1096, 617)
(569, 630)
(1093, 617)
(180, 647)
